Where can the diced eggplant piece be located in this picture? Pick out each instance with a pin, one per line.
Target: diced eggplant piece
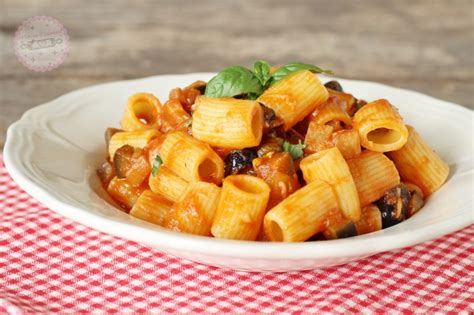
(131, 163)
(277, 170)
(123, 160)
(341, 229)
(238, 160)
(198, 85)
(270, 119)
(393, 205)
(416, 201)
(334, 85)
(293, 136)
(370, 220)
(316, 238)
(273, 144)
(106, 172)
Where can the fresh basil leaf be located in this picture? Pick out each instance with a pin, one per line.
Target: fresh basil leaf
(261, 69)
(156, 165)
(289, 68)
(233, 81)
(295, 150)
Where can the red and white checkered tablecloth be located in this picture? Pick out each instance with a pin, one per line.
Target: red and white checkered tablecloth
(49, 264)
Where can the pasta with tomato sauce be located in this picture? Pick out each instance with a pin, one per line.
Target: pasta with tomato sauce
(268, 154)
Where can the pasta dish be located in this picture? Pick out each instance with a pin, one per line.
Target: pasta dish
(268, 154)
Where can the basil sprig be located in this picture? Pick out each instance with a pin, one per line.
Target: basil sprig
(240, 81)
(233, 81)
(261, 69)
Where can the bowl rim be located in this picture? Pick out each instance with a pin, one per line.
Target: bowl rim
(355, 246)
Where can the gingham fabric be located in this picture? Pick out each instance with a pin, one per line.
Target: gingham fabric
(49, 264)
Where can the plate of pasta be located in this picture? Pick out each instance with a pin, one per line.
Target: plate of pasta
(263, 169)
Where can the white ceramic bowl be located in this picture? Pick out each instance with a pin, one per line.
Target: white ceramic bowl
(53, 150)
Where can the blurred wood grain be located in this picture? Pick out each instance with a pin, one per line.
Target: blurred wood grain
(426, 46)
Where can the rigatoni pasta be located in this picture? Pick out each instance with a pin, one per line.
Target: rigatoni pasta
(380, 127)
(166, 183)
(142, 112)
(191, 159)
(373, 174)
(241, 208)
(329, 166)
(302, 214)
(294, 97)
(228, 122)
(419, 164)
(269, 154)
(151, 207)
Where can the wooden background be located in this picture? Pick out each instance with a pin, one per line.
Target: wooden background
(421, 45)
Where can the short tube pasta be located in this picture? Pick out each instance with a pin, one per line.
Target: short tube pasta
(419, 164)
(268, 154)
(294, 97)
(228, 122)
(329, 166)
(373, 174)
(138, 139)
(241, 208)
(141, 113)
(380, 127)
(151, 207)
(191, 159)
(194, 212)
(167, 184)
(302, 214)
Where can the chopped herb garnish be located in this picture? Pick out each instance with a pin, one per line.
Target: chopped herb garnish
(156, 165)
(295, 150)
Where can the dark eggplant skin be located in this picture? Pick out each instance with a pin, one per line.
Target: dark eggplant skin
(348, 230)
(393, 205)
(238, 160)
(416, 199)
(334, 85)
(122, 160)
(106, 172)
(270, 119)
(341, 230)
